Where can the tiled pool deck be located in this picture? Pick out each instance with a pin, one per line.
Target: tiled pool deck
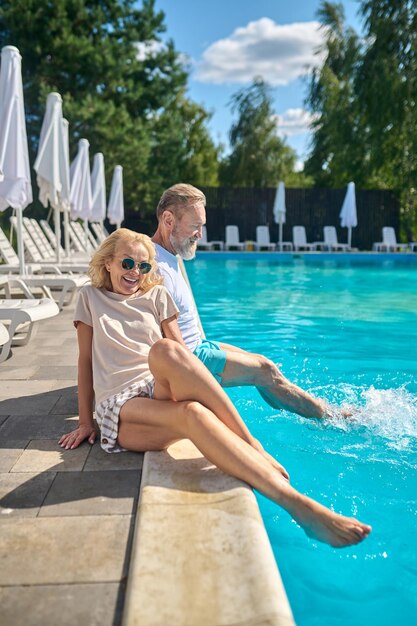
(199, 555)
(66, 516)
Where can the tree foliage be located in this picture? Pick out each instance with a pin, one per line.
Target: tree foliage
(122, 88)
(364, 97)
(336, 152)
(258, 158)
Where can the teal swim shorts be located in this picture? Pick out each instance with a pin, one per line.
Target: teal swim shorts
(214, 358)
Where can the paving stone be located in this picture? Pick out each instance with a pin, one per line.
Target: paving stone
(22, 494)
(16, 397)
(61, 326)
(18, 373)
(62, 385)
(10, 451)
(63, 358)
(94, 604)
(67, 403)
(51, 339)
(54, 550)
(98, 459)
(38, 426)
(20, 358)
(43, 352)
(58, 372)
(43, 455)
(8, 390)
(93, 493)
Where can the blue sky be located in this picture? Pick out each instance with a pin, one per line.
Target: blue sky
(228, 42)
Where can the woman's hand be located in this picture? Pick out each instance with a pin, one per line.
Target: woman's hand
(72, 440)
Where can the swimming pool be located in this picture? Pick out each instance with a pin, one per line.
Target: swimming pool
(347, 333)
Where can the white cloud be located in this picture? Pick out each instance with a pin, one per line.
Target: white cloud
(278, 53)
(146, 49)
(294, 122)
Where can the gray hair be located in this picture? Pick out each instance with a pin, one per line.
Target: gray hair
(179, 198)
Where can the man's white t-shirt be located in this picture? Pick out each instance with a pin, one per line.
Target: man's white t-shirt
(175, 283)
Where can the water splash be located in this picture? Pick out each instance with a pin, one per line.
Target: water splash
(388, 413)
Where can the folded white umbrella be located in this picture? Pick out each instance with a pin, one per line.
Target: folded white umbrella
(98, 185)
(115, 210)
(280, 209)
(348, 215)
(81, 198)
(51, 163)
(15, 185)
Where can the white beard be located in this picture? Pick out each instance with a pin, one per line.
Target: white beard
(185, 249)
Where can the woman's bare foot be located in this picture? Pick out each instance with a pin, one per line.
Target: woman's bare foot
(323, 524)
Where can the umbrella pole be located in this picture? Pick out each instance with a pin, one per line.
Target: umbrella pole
(66, 235)
(349, 237)
(20, 244)
(280, 235)
(57, 220)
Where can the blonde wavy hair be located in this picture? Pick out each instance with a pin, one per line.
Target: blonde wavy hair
(97, 271)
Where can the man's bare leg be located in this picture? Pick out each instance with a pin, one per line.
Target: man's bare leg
(245, 368)
(145, 424)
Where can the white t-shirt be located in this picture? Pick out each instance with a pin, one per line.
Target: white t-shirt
(124, 329)
(175, 283)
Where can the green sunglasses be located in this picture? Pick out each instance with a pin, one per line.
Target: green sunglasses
(142, 267)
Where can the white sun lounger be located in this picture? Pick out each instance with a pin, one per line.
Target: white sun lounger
(20, 316)
(300, 239)
(45, 246)
(232, 238)
(330, 240)
(99, 231)
(80, 232)
(7, 252)
(63, 285)
(77, 257)
(47, 264)
(208, 245)
(389, 241)
(4, 337)
(263, 239)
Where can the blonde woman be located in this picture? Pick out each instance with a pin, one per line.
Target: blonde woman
(150, 390)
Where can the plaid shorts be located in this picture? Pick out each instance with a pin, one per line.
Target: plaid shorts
(108, 411)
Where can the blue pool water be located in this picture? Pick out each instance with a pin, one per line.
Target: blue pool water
(349, 334)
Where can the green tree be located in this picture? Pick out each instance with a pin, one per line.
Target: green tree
(181, 146)
(363, 97)
(258, 158)
(387, 90)
(338, 148)
(117, 78)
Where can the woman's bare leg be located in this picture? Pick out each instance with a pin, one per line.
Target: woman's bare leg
(149, 424)
(180, 375)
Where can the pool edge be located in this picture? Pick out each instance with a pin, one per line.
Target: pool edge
(200, 553)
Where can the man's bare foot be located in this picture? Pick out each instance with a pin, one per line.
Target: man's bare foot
(323, 524)
(334, 412)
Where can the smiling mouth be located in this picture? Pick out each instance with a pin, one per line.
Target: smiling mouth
(130, 281)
